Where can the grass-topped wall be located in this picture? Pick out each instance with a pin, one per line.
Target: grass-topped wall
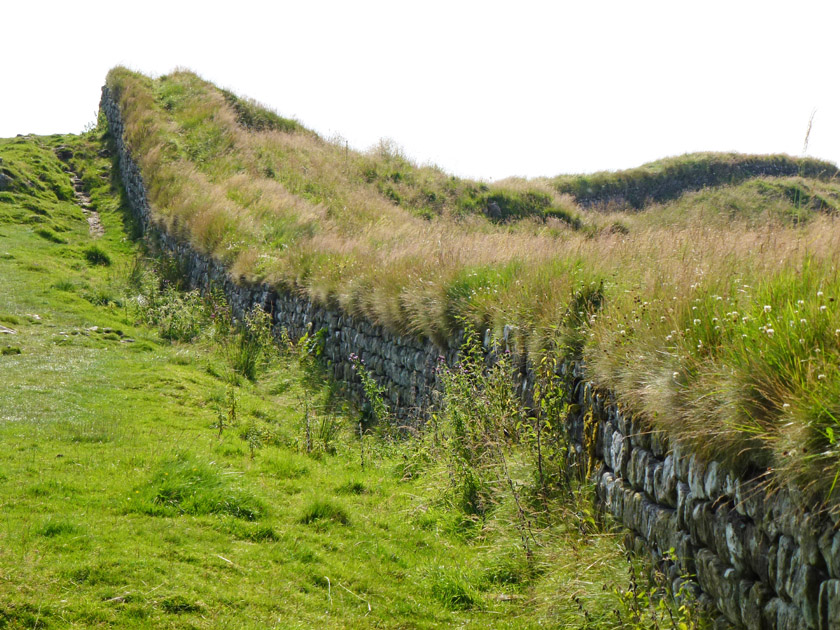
(670, 178)
(714, 317)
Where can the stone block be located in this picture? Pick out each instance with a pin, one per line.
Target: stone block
(701, 524)
(753, 597)
(713, 480)
(683, 499)
(696, 477)
(829, 544)
(829, 605)
(665, 482)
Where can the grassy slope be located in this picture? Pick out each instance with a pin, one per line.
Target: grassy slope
(708, 326)
(664, 180)
(102, 434)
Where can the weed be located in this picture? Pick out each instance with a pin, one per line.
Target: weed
(227, 413)
(378, 410)
(252, 345)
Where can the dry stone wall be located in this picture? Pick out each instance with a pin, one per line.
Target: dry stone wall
(762, 563)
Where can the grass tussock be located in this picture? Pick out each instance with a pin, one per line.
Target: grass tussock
(715, 274)
(185, 486)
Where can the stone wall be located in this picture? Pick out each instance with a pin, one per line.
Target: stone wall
(762, 562)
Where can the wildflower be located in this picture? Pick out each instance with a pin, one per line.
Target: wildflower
(820, 377)
(770, 332)
(822, 308)
(819, 293)
(767, 308)
(786, 406)
(696, 322)
(800, 302)
(803, 321)
(668, 338)
(676, 374)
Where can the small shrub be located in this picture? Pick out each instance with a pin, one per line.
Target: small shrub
(250, 347)
(9, 350)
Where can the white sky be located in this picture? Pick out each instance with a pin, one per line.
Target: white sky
(483, 89)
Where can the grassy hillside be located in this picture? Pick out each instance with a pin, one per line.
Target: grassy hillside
(713, 315)
(668, 179)
(147, 481)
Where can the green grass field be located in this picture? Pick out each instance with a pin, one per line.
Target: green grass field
(124, 504)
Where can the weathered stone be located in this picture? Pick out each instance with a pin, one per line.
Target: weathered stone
(735, 535)
(829, 605)
(696, 477)
(648, 480)
(781, 615)
(758, 551)
(681, 461)
(753, 597)
(829, 544)
(701, 525)
(665, 482)
(720, 582)
(683, 511)
(620, 453)
(713, 481)
(807, 530)
(781, 570)
(804, 588)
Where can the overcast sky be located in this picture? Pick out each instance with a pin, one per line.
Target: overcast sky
(483, 89)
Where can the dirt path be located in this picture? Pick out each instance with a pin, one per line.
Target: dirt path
(95, 225)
